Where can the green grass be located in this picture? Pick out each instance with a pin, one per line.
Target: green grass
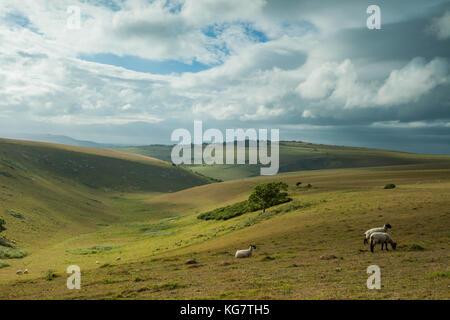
(12, 253)
(155, 233)
(92, 250)
(439, 275)
(4, 264)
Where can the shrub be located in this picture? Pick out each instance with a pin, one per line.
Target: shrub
(50, 275)
(3, 264)
(15, 214)
(298, 183)
(5, 243)
(2, 225)
(92, 250)
(389, 186)
(233, 210)
(11, 253)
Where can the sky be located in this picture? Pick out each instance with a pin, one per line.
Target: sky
(135, 70)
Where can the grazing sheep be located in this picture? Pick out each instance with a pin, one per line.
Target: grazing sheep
(13, 241)
(96, 262)
(19, 272)
(118, 258)
(370, 231)
(383, 238)
(25, 271)
(245, 253)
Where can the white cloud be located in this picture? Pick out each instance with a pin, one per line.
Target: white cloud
(294, 74)
(413, 81)
(338, 84)
(441, 26)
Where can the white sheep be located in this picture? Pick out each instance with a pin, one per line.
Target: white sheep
(245, 253)
(25, 271)
(118, 258)
(19, 272)
(383, 238)
(370, 231)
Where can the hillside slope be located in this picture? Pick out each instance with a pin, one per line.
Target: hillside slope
(49, 192)
(307, 251)
(297, 156)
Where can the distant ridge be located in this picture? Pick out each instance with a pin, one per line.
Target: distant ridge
(60, 139)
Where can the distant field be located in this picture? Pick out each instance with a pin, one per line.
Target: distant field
(298, 156)
(307, 249)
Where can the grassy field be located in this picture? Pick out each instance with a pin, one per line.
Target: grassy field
(298, 156)
(310, 248)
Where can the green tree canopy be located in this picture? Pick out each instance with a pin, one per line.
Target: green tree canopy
(268, 194)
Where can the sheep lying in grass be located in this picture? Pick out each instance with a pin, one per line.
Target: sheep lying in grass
(245, 253)
(370, 231)
(383, 238)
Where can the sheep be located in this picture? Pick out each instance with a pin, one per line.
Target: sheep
(383, 238)
(25, 271)
(245, 253)
(19, 272)
(118, 258)
(370, 231)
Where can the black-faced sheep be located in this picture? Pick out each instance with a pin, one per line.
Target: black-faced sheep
(370, 231)
(245, 253)
(383, 238)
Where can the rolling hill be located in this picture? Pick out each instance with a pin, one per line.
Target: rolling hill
(309, 248)
(297, 156)
(50, 192)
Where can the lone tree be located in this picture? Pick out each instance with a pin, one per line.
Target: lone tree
(268, 194)
(2, 225)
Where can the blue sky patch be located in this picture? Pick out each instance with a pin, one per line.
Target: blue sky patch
(145, 65)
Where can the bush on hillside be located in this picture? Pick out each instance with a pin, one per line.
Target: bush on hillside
(389, 186)
(11, 253)
(263, 197)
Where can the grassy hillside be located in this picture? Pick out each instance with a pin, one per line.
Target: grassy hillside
(309, 248)
(297, 156)
(94, 168)
(50, 193)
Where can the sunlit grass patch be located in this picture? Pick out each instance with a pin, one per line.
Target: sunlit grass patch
(92, 250)
(439, 274)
